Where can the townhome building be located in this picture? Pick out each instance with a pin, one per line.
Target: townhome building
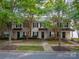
(39, 31)
(19, 31)
(63, 29)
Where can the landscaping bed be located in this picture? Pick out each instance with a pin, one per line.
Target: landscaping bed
(61, 48)
(66, 48)
(9, 47)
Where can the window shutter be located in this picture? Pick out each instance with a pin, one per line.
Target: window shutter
(37, 24)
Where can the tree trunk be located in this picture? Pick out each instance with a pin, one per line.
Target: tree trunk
(31, 22)
(59, 43)
(59, 28)
(10, 37)
(10, 24)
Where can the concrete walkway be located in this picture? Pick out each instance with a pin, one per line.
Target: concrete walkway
(23, 44)
(74, 43)
(47, 47)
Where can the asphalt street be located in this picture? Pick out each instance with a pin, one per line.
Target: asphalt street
(41, 55)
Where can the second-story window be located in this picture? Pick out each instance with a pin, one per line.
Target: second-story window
(40, 24)
(67, 25)
(35, 24)
(18, 26)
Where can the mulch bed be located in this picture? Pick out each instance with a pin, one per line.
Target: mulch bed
(9, 47)
(61, 48)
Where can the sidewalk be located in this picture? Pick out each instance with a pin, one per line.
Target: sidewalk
(47, 47)
(74, 43)
(23, 44)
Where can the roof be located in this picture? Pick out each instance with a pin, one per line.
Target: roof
(17, 28)
(67, 29)
(43, 29)
(63, 29)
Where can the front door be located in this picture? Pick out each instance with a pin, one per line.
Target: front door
(63, 34)
(42, 34)
(18, 35)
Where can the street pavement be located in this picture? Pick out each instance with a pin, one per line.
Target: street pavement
(40, 55)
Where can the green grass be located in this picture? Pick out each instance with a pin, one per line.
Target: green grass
(76, 39)
(76, 48)
(30, 48)
(67, 42)
(56, 42)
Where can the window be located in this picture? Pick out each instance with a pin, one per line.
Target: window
(50, 34)
(35, 24)
(23, 33)
(66, 25)
(6, 34)
(35, 34)
(18, 26)
(40, 24)
(60, 24)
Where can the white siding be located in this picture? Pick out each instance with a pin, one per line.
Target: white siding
(75, 34)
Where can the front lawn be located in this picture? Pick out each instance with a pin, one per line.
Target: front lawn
(75, 39)
(75, 48)
(67, 43)
(30, 48)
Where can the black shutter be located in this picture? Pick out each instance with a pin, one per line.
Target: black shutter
(33, 34)
(37, 24)
(37, 34)
(16, 26)
(50, 34)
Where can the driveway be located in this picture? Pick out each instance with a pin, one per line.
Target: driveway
(45, 55)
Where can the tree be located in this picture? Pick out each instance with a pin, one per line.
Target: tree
(8, 16)
(47, 24)
(74, 13)
(32, 8)
(60, 7)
